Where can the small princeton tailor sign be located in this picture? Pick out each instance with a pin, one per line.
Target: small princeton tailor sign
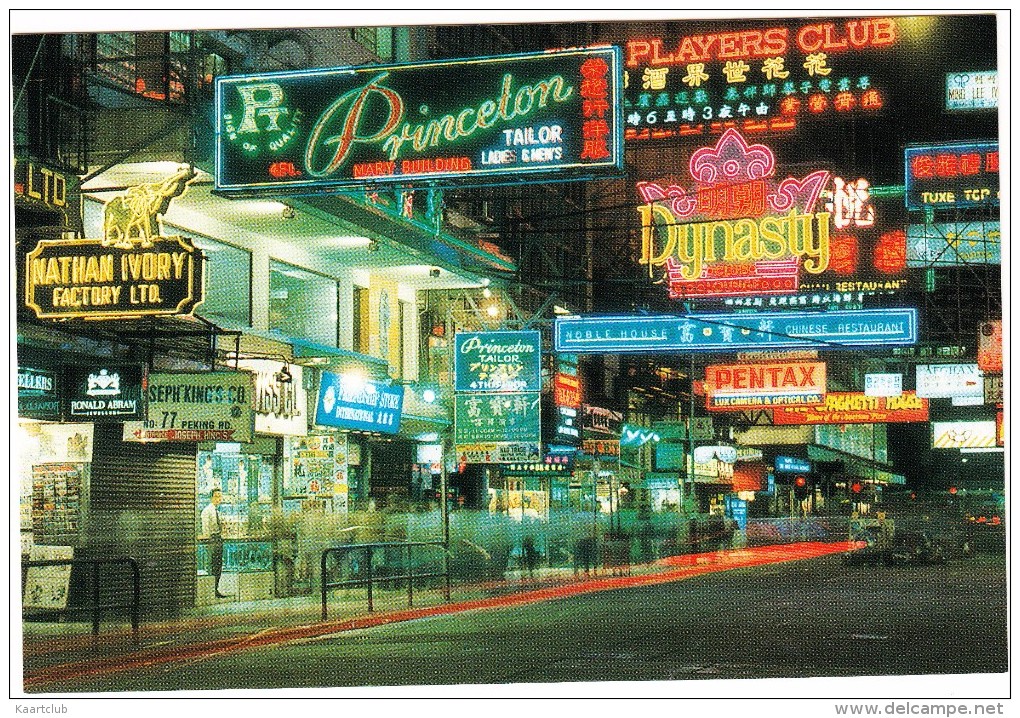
(360, 405)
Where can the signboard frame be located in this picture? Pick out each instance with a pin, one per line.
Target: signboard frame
(292, 113)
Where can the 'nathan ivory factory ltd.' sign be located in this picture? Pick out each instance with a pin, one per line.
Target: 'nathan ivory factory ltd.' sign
(132, 271)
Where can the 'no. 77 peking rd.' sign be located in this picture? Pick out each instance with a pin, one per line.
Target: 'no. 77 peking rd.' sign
(467, 121)
(736, 332)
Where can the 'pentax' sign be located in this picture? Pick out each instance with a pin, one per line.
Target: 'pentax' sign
(465, 121)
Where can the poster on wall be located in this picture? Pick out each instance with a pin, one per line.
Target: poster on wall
(318, 467)
(58, 491)
(46, 587)
(58, 443)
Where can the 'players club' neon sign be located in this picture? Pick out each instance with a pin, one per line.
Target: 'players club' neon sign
(739, 231)
(755, 80)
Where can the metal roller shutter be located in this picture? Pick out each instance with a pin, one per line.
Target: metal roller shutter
(142, 505)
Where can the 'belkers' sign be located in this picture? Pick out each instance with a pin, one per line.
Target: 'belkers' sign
(132, 271)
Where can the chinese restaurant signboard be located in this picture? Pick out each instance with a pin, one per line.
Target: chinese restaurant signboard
(742, 386)
(206, 406)
(500, 418)
(855, 408)
(498, 361)
(541, 116)
(736, 332)
(758, 78)
(952, 175)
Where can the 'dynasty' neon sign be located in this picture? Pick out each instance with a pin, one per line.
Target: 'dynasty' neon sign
(739, 231)
(538, 114)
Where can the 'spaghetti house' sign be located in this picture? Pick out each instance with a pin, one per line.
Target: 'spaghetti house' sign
(465, 121)
(738, 230)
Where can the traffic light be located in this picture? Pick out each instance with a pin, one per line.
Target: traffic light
(801, 487)
(856, 487)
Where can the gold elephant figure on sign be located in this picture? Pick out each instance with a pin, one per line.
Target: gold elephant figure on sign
(132, 217)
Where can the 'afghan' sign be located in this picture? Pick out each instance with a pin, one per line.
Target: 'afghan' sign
(465, 121)
(742, 386)
(206, 406)
(855, 408)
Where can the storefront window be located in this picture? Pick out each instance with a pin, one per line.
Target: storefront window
(302, 304)
(227, 282)
(246, 480)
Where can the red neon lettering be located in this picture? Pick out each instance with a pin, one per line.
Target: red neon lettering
(637, 50)
(947, 165)
(349, 128)
(809, 38)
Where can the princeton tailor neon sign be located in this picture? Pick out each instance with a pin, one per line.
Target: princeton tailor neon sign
(551, 113)
(755, 233)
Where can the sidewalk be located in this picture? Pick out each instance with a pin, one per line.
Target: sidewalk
(55, 650)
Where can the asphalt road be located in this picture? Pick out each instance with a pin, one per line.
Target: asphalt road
(807, 618)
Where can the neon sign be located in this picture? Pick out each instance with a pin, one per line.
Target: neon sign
(735, 332)
(132, 271)
(828, 37)
(948, 176)
(725, 256)
(757, 80)
(541, 114)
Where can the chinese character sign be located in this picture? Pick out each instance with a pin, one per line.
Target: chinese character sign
(757, 80)
(497, 418)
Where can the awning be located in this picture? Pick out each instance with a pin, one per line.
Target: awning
(856, 466)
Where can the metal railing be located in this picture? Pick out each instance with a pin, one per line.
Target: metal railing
(370, 578)
(97, 608)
